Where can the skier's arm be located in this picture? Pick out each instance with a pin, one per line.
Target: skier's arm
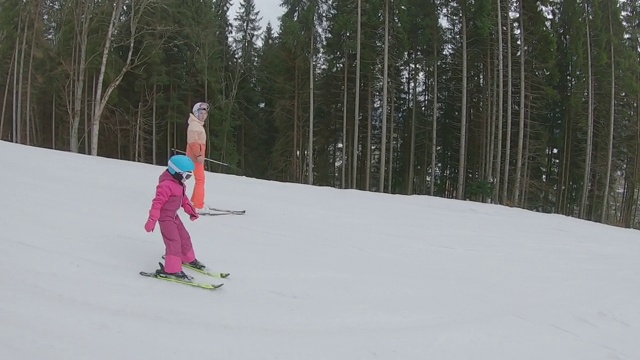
(162, 195)
(194, 146)
(187, 206)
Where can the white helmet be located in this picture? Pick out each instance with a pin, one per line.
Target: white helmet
(200, 106)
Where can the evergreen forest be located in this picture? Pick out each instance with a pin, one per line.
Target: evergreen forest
(526, 103)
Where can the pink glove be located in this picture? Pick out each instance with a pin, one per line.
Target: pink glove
(150, 225)
(193, 215)
(191, 211)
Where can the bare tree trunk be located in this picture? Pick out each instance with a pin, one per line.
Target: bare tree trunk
(385, 87)
(101, 101)
(334, 160)
(605, 198)
(208, 126)
(53, 123)
(424, 178)
(154, 125)
(294, 165)
(587, 163)
(463, 111)
(6, 93)
(516, 191)
(494, 124)
(434, 133)
(354, 161)
(507, 156)
(344, 123)
(169, 123)
(14, 127)
(20, 82)
(633, 200)
(119, 137)
(78, 72)
(175, 129)
(391, 140)
(137, 135)
(33, 43)
(369, 129)
(68, 95)
(85, 135)
(527, 177)
(630, 177)
(311, 80)
(412, 150)
(635, 209)
(563, 187)
(487, 84)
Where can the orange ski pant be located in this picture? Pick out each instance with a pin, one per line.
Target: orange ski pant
(197, 198)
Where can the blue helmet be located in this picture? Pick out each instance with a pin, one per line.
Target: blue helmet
(181, 167)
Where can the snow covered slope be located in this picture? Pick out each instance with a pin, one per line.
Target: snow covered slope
(316, 273)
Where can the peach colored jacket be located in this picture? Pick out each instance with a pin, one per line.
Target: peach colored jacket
(196, 140)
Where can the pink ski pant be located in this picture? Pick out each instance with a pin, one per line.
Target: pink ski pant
(178, 244)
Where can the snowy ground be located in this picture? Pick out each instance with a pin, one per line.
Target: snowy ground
(316, 273)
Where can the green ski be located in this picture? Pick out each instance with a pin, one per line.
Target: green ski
(218, 275)
(185, 282)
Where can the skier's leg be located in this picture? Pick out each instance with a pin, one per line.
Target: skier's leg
(197, 198)
(171, 238)
(186, 247)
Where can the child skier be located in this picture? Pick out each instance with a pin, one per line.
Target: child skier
(170, 195)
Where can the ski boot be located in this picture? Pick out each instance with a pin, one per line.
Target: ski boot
(197, 265)
(180, 275)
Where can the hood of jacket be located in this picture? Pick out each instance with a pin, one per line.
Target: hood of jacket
(194, 119)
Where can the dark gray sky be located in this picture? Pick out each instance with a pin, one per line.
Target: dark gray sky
(270, 10)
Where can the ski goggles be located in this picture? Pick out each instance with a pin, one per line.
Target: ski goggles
(187, 175)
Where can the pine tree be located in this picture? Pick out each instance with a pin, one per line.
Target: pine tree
(247, 33)
(268, 69)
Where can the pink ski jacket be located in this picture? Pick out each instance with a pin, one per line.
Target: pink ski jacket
(170, 196)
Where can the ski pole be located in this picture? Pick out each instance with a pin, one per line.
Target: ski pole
(207, 159)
